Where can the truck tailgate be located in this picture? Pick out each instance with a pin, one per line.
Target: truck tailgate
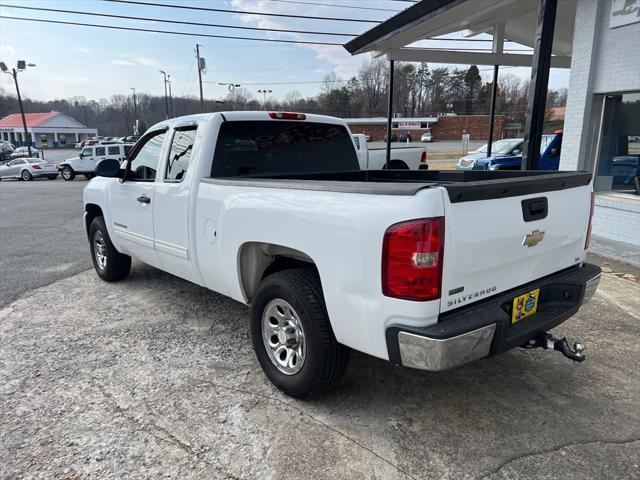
(493, 245)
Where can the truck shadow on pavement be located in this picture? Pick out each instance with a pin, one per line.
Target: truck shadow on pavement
(156, 376)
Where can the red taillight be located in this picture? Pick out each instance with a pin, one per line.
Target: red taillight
(36, 166)
(287, 116)
(423, 157)
(593, 205)
(412, 259)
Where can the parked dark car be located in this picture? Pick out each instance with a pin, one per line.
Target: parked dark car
(394, 138)
(406, 137)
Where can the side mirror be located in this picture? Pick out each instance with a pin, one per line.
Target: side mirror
(109, 168)
(80, 155)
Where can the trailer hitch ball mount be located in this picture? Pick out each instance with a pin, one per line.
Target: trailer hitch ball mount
(549, 342)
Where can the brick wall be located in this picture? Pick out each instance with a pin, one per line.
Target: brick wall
(447, 128)
(603, 60)
(617, 217)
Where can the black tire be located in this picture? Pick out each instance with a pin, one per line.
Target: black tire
(52, 177)
(118, 265)
(26, 175)
(326, 360)
(89, 176)
(67, 173)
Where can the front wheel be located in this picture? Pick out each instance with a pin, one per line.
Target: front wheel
(110, 264)
(292, 335)
(26, 175)
(67, 173)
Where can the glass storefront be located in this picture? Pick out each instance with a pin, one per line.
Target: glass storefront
(618, 160)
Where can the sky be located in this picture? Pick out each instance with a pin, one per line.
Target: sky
(98, 63)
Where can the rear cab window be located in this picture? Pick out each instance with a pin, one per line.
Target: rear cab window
(100, 151)
(113, 150)
(180, 153)
(248, 148)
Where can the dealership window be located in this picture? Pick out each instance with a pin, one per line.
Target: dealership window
(618, 160)
(44, 139)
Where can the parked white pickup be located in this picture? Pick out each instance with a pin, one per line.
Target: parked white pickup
(427, 269)
(408, 158)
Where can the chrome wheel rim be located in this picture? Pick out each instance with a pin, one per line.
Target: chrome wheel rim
(283, 336)
(66, 173)
(100, 250)
(25, 175)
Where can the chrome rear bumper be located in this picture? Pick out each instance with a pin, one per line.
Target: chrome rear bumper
(440, 354)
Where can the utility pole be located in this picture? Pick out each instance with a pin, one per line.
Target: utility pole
(14, 73)
(201, 66)
(166, 98)
(170, 97)
(135, 112)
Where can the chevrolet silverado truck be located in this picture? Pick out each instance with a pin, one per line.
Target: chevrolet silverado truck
(427, 269)
(402, 158)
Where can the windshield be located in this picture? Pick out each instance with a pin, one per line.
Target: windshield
(502, 146)
(282, 147)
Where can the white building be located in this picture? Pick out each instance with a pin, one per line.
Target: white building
(599, 40)
(47, 130)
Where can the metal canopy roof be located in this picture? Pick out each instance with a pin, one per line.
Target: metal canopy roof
(514, 20)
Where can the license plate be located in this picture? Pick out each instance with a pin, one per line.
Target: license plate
(525, 305)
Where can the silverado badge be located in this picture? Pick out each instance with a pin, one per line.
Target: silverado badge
(533, 238)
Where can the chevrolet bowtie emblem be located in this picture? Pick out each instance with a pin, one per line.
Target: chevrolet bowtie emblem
(533, 238)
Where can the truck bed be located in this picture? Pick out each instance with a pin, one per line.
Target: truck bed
(461, 186)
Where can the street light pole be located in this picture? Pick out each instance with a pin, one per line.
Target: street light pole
(166, 99)
(14, 74)
(170, 97)
(264, 96)
(135, 112)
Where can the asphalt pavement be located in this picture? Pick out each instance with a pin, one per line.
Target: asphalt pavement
(42, 235)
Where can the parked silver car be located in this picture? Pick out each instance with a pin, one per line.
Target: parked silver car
(28, 168)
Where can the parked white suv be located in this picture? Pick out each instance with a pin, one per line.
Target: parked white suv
(89, 157)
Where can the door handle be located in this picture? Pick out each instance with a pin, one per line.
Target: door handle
(144, 199)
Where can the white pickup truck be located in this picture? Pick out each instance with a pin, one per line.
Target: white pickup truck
(402, 158)
(427, 269)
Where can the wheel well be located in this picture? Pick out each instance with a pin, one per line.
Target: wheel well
(256, 260)
(396, 164)
(91, 211)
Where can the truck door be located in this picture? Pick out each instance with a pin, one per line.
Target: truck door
(86, 160)
(133, 202)
(172, 199)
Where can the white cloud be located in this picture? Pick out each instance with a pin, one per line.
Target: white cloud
(343, 63)
(136, 60)
(83, 50)
(70, 80)
(7, 51)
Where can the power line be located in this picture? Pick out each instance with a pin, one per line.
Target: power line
(337, 6)
(168, 32)
(224, 10)
(179, 22)
(284, 83)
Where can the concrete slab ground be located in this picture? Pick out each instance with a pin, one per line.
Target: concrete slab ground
(154, 377)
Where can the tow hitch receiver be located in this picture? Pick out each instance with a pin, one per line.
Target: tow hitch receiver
(548, 342)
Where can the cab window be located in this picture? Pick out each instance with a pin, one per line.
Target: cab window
(180, 154)
(114, 150)
(144, 163)
(100, 151)
(87, 152)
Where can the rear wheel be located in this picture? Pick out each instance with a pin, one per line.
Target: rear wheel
(292, 335)
(110, 264)
(67, 173)
(26, 175)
